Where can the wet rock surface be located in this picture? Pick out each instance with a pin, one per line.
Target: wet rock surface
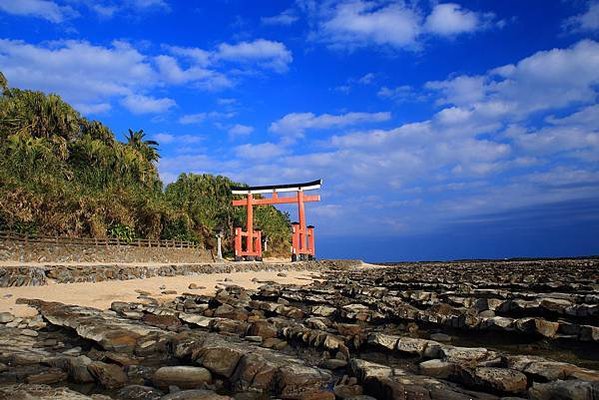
(412, 331)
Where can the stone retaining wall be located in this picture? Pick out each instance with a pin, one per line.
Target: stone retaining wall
(47, 252)
(39, 275)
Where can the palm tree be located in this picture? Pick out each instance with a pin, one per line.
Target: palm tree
(149, 148)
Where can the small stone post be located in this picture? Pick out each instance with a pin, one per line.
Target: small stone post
(219, 247)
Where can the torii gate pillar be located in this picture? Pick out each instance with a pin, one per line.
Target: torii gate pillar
(303, 236)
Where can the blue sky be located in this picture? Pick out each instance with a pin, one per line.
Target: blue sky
(441, 129)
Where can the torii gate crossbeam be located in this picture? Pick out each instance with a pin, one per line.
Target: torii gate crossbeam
(303, 236)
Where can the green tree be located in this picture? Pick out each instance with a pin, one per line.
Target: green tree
(149, 148)
(62, 174)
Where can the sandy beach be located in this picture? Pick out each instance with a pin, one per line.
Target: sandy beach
(102, 294)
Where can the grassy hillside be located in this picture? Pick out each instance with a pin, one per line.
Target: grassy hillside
(62, 174)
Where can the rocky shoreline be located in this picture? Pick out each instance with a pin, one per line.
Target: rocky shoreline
(409, 331)
(26, 275)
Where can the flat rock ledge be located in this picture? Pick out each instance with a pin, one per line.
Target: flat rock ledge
(351, 335)
(19, 275)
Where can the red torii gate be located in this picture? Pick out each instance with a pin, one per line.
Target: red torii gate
(303, 236)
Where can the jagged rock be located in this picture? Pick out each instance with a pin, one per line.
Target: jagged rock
(6, 317)
(29, 332)
(77, 369)
(391, 383)
(140, 374)
(537, 326)
(195, 395)
(297, 380)
(108, 375)
(113, 334)
(323, 311)
(541, 369)
(501, 380)
(53, 375)
(399, 300)
(349, 329)
(467, 355)
(219, 358)
(318, 323)
(388, 342)
(500, 323)
(254, 339)
(555, 305)
(486, 314)
(195, 319)
(412, 346)
(437, 368)
(440, 337)
(139, 392)
(162, 321)
(347, 391)
(333, 363)
(570, 390)
(39, 392)
(262, 328)
(274, 343)
(589, 333)
(228, 325)
(184, 377)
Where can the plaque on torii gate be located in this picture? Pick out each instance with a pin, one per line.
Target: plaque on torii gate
(248, 244)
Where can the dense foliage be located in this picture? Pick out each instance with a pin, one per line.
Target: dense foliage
(61, 174)
(207, 199)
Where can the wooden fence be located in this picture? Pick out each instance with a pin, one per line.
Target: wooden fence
(179, 244)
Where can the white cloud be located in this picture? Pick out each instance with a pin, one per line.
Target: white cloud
(261, 151)
(286, 18)
(87, 109)
(199, 56)
(462, 90)
(164, 138)
(79, 71)
(240, 130)
(208, 79)
(167, 138)
(104, 11)
(54, 12)
(400, 94)
(367, 79)
(550, 79)
(267, 53)
(356, 23)
(295, 124)
(141, 4)
(140, 104)
(587, 118)
(586, 22)
(45, 9)
(451, 19)
(93, 76)
(485, 150)
(345, 89)
(546, 80)
(197, 118)
(192, 118)
(226, 101)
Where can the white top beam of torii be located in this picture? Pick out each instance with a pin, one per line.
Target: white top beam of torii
(289, 187)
